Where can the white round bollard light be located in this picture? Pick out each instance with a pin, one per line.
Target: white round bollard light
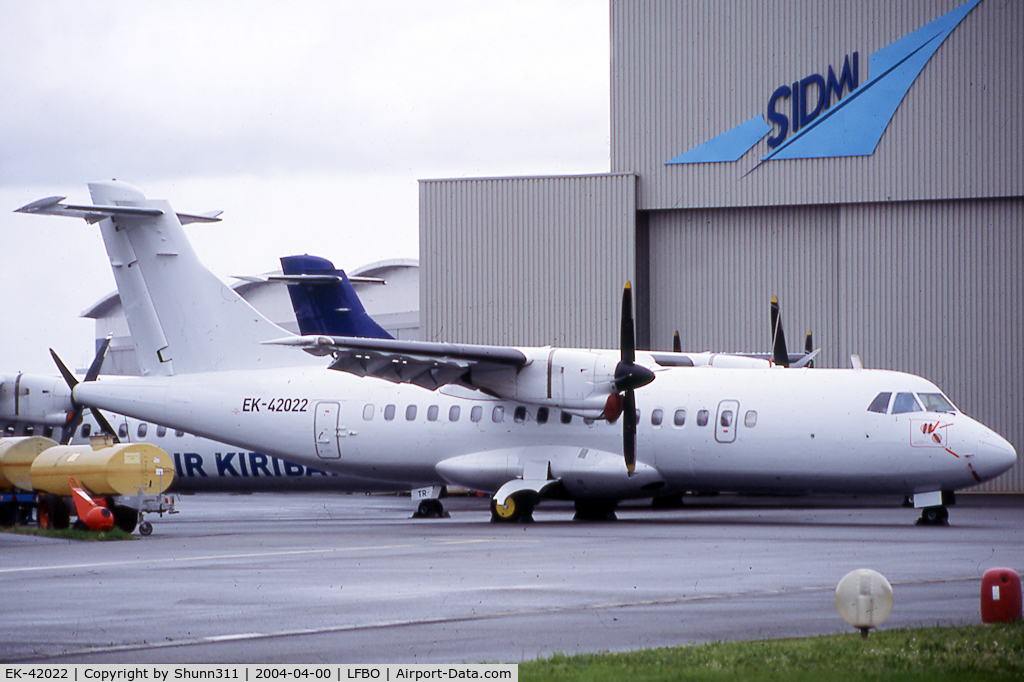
(864, 599)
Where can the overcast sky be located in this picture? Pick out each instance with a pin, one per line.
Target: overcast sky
(307, 123)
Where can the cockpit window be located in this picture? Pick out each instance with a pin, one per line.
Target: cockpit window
(936, 402)
(905, 402)
(880, 404)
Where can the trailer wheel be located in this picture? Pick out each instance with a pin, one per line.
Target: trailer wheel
(125, 518)
(53, 513)
(8, 514)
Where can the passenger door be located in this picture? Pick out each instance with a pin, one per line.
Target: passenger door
(327, 431)
(725, 423)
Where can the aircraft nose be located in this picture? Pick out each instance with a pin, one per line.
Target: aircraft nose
(997, 455)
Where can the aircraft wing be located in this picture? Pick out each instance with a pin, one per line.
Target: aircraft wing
(425, 364)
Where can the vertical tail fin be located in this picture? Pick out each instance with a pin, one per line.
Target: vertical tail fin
(330, 308)
(182, 318)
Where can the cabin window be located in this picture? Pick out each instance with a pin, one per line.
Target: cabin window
(566, 418)
(726, 418)
(410, 413)
(880, 404)
(936, 402)
(143, 428)
(179, 434)
(702, 418)
(122, 431)
(636, 417)
(498, 414)
(161, 431)
(389, 412)
(542, 415)
(86, 430)
(679, 418)
(432, 413)
(905, 402)
(750, 419)
(657, 416)
(520, 414)
(368, 411)
(453, 413)
(476, 414)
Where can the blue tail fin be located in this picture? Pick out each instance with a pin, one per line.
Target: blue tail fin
(329, 308)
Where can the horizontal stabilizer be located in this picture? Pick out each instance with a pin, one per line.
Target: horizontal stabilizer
(93, 214)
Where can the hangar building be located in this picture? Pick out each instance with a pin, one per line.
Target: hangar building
(861, 160)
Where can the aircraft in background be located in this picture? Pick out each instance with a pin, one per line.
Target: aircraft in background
(525, 423)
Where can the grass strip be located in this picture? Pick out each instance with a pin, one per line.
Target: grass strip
(935, 654)
(71, 534)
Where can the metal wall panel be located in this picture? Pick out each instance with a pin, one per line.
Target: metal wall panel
(714, 271)
(526, 261)
(686, 71)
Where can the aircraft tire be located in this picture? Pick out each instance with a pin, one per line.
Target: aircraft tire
(8, 514)
(53, 513)
(934, 516)
(145, 528)
(125, 518)
(431, 509)
(516, 508)
(594, 511)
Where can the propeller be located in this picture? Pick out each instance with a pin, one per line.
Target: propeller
(809, 347)
(629, 376)
(75, 417)
(677, 344)
(780, 356)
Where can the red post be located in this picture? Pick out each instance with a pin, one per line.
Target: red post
(1000, 596)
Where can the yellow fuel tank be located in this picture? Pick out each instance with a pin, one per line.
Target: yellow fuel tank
(104, 469)
(16, 457)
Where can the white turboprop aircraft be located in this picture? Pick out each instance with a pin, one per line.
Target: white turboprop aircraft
(527, 423)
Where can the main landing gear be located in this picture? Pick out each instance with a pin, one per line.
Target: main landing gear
(518, 508)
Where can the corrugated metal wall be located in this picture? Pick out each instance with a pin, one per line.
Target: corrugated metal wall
(930, 288)
(686, 71)
(526, 261)
(714, 271)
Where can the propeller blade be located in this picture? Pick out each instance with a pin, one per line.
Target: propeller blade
(105, 426)
(809, 347)
(97, 362)
(780, 356)
(64, 371)
(629, 431)
(627, 338)
(75, 416)
(677, 345)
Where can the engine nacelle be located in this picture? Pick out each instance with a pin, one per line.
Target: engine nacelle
(34, 399)
(577, 381)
